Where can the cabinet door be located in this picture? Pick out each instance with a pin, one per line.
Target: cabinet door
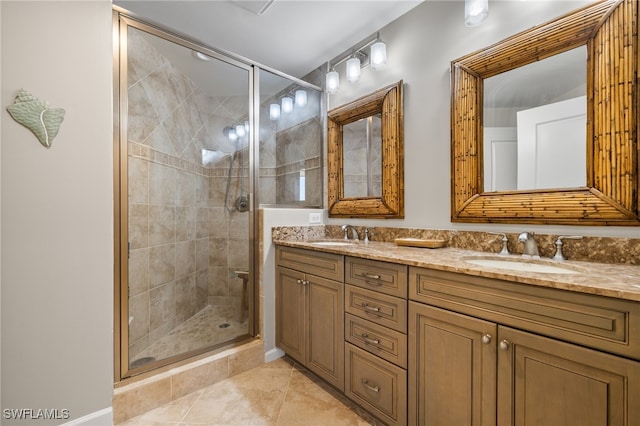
(325, 316)
(290, 313)
(547, 382)
(452, 368)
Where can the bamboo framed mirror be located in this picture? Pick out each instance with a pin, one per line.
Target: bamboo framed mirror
(383, 198)
(609, 30)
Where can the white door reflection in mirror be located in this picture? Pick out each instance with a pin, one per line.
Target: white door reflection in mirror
(500, 159)
(552, 145)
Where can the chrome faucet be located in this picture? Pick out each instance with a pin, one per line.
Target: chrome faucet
(354, 232)
(530, 244)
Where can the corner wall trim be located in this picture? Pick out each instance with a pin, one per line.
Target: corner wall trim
(273, 354)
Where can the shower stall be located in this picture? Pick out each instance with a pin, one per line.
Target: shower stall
(196, 154)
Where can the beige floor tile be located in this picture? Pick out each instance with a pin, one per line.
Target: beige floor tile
(281, 393)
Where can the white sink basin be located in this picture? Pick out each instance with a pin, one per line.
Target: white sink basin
(331, 243)
(521, 265)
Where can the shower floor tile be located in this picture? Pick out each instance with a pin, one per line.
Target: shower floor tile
(212, 325)
(280, 393)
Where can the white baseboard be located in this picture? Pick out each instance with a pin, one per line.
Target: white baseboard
(273, 354)
(102, 417)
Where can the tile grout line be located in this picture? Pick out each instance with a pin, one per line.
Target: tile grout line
(284, 398)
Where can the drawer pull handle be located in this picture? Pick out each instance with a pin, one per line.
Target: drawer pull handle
(368, 339)
(376, 388)
(370, 308)
(371, 276)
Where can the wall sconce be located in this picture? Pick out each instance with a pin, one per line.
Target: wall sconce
(287, 105)
(333, 82)
(274, 111)
(301, 98)
(353, 70)
(355, 61)
(475, 11)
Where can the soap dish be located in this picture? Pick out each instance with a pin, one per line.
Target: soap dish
(418, 242)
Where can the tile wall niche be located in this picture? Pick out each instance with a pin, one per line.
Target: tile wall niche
(184, 243)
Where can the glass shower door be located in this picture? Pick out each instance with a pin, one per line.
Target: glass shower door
(188, 209)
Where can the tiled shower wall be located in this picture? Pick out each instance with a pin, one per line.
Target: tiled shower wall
(184, 244)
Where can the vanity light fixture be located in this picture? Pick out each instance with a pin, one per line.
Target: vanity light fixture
(353, 69)
(475, 11)
(378, 54)
(301, 97)
(357, 60)
(287, 105)
(274, 111)
(333, 82)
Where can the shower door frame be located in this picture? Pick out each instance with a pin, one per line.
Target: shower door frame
(122, 20)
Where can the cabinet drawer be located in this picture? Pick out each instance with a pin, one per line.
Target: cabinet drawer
(326, 265)
(604, 323)
(388, 278)
(378, 386)
(380, 341)
(379, 308)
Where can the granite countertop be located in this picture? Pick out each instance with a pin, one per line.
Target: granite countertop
(612, 280)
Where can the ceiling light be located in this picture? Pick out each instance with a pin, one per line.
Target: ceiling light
(333, 82)
(274, 111)
(378, 57)
(301, 97)
(353, 69)
(287, 105)
(475, 11)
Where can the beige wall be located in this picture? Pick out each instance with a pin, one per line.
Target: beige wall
(57, 211)
(420, 46)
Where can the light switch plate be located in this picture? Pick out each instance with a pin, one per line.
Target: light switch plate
(315, 218)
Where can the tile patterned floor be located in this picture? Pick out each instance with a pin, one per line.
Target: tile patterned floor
(201, 330)
(280, 393)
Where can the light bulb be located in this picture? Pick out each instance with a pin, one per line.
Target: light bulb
(378, 55)
(333, 82)
(274, 111)
(287, 104)
(233, 135)
(475, 11)
(353, 70)
(301, 97)
(240, 131)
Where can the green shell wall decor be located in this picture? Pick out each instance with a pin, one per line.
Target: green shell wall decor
(36, 116)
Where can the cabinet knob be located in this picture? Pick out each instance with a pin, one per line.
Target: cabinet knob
(486, 339)
(300, 281)
(504, 345)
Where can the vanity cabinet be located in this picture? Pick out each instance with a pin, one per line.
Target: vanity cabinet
(486, 352)
(310, 311)
(376, 337)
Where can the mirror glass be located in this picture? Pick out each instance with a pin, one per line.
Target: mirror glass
(362, 153)
(535, 125)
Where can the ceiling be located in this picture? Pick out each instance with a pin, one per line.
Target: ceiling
(291, 36)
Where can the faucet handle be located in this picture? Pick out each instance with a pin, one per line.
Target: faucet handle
(505, 240)
(367, 232)
(559, 256)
